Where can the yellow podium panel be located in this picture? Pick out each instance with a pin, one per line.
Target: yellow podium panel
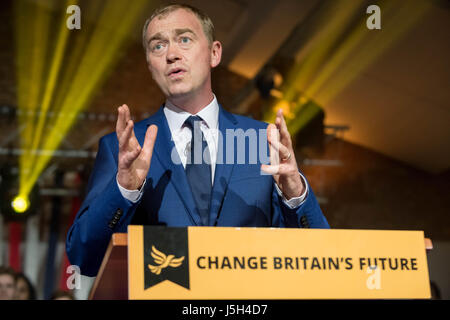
(272, 263)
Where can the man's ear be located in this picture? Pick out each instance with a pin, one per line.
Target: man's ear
(216, 53)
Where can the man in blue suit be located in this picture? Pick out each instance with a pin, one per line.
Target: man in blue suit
(150, 172)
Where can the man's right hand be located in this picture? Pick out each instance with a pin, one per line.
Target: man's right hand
(134, 160)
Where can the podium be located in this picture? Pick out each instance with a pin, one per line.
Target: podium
(111, 282)
(112, 279)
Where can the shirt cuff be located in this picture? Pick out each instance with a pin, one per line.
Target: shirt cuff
(296, 202)
(131, 195)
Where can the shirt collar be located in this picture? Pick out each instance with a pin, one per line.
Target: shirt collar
(176, 116)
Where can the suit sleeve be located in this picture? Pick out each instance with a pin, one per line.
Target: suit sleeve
(308, 214)
(103, 212)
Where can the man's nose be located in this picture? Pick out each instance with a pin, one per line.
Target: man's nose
(173, 54)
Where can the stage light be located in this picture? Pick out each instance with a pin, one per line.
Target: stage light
(20, 204)
(59, 70)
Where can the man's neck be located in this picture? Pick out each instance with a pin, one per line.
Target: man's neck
(193, 105)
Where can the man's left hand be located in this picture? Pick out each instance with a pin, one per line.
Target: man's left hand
(283, 166)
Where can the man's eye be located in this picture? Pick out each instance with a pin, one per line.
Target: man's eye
(185, 40)
(157, 47)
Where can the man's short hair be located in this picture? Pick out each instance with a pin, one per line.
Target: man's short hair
(205, 21)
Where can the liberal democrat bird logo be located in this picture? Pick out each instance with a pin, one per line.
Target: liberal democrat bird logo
(163, 261)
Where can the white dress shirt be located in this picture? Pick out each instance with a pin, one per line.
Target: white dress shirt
(181, 136)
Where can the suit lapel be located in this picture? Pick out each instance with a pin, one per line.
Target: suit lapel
(223, 170)
(165, 150)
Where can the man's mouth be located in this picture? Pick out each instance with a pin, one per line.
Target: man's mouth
(174, 73)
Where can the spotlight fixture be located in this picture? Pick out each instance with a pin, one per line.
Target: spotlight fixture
(20, 204)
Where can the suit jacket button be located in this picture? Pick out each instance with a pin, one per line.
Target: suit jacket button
(304, 222)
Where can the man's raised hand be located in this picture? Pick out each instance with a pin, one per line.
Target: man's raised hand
(134, 160)
(283, 166)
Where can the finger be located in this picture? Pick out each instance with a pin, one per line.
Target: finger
(281, 149)
(275, 146)
(284, 152)
(273, 139)
(272, 133)
(127, 113)
(149, 142)
(124, 138)
(270, 169)
(278, 118)
(121, 123)
(285, 137)
(278, 169)
(128, 118)
(129, 157)
(284, 132)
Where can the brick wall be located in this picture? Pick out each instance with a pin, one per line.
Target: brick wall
(371, 191)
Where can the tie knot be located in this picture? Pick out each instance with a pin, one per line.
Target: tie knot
(190, 122)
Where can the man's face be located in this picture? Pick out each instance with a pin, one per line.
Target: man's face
(179, 55)
(7, 287)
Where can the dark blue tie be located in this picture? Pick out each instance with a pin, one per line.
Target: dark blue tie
(198, 169)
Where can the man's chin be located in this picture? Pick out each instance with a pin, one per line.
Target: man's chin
(179, 93)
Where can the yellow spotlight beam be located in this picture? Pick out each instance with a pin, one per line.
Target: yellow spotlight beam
(362, 47)
(54, 72)
(31, 47)
(332, 23)
(71, 76)
(321, 75)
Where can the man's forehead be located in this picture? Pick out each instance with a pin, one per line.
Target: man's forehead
(173, 21)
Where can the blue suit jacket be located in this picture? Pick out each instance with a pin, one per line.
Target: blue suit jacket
(241, 196)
